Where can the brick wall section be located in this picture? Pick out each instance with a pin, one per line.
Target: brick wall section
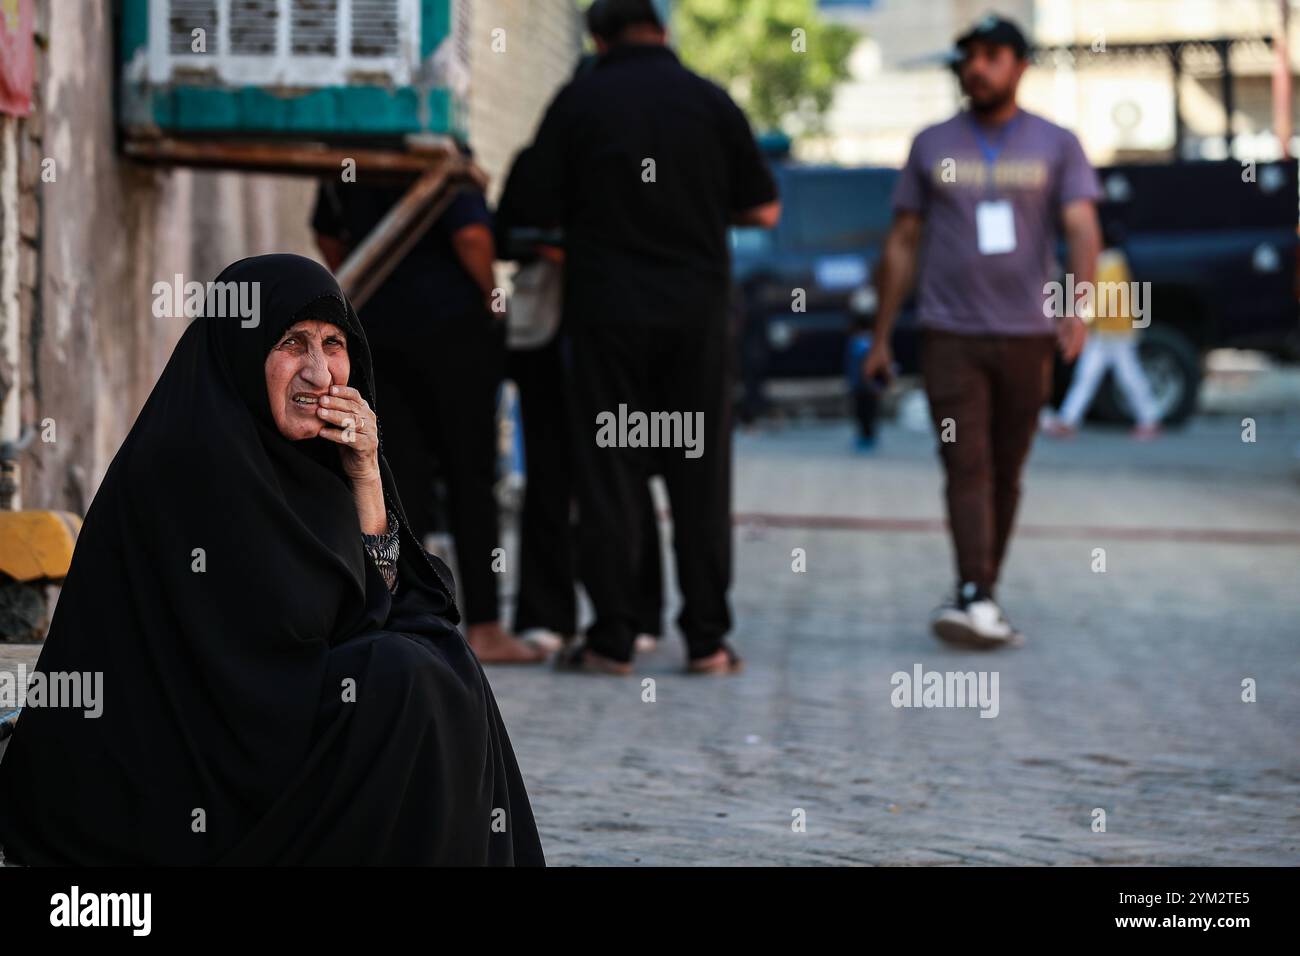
(31, 153)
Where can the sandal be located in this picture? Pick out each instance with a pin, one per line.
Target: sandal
(733, 665)
(580, 659)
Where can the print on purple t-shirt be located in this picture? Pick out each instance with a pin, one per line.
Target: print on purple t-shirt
(1039, 168)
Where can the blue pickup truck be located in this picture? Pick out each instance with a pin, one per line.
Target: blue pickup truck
(1216, 240)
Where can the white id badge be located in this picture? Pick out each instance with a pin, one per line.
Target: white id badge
(996, 226)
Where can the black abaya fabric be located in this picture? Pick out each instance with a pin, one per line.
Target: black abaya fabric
(265, 699)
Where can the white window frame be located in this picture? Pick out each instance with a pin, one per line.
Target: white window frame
(283, 68)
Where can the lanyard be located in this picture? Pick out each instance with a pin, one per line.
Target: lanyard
(990, 148)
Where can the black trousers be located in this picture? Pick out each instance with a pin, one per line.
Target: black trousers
(682, 368)
(548, 561)
(437, 379)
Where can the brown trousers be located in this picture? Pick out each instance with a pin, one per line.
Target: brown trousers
(985, 393)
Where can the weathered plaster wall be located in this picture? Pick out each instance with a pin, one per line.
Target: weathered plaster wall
(102, 234)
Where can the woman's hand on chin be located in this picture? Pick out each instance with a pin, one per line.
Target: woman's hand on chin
(348, 421)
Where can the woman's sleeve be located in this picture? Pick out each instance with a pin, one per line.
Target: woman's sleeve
(383, 550)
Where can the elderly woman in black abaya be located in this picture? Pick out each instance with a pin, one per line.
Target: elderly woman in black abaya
(283, 681)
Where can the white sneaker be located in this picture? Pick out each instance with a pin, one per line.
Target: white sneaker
(953, 625)
(540, 637)
(978, 623)
(988, 621)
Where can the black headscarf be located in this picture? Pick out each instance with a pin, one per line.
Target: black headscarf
(220, 586)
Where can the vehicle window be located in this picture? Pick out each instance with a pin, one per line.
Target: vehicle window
(750, 240)
(840, 211)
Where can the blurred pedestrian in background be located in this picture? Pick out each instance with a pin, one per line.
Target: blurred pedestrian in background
(1112, 346)
(439, 355)
(546, 608)
(646, 165)
(865, 392)
(980, 202)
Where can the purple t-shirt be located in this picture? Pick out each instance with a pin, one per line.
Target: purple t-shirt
(1038, 168)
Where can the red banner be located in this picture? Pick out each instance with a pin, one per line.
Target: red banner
(17, 56)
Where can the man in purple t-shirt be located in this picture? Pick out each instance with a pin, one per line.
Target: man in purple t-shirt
(977, 211)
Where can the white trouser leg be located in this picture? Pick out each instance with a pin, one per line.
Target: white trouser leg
(1133, 379)
(1088, 373)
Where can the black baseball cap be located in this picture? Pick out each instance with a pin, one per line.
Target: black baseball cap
(997, 30)
(607, 19)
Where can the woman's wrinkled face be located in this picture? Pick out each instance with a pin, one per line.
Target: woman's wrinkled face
(310, 357)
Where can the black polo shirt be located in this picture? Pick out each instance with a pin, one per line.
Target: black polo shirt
(643, 164)
(430, 281)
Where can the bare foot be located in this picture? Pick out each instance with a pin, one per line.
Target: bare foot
(1146, 432)
(583, 660)
(724, 661)
(492, 644)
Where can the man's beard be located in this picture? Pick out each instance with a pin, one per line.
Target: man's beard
(992, 102)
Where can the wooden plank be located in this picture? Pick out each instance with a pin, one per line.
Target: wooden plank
(371, 262)
(302, 158)
(435, 164)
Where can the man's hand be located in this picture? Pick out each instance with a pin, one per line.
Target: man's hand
(1083, 237)
(1071, 334)
(893, 280)
(879, 363)
(476, 251)
(764, 216)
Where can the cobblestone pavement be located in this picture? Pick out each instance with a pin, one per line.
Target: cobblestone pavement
(1127, 696)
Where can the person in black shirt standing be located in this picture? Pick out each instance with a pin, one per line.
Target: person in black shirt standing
(647, 165)
(546, 604)
(439, 355)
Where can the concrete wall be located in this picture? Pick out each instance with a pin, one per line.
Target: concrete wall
(511, 87)
(94, 241)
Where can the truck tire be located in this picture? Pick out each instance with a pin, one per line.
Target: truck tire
(1173, 366)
